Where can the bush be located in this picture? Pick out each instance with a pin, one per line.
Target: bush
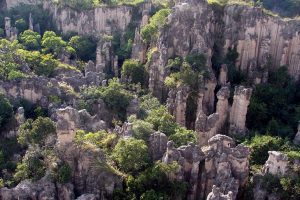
(183, 136)
(142, 129)
(31, 40)
(6, 110)
(162, 121)
(21, 25)
(32, 166)
(135, 71)
(36, 132)
(64, 174)
(102, 139)
(114, 95)
(260, 145)
(156, 179)
(157, 21)
(85, 47)
(131, 155)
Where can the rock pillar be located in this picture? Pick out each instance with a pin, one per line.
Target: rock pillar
(238, 112)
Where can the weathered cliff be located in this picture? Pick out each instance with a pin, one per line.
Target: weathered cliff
(262, 41)
(89, 22)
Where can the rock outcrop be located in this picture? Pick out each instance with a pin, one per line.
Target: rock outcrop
(238, 112)
(69, 120)
(217, 195)
(277, 164)
(89, 22)
(157, 145)
(226, 166)
(296, 140)
(261, 39)
(177, 103)
(39, 190)
(221, 167)
(189, 29)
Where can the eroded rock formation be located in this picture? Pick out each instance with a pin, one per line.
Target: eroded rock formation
(261, 39)
(238, 112)
(277, 164)
(69, 120)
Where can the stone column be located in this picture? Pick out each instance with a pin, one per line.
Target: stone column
(205, 126)
(222, 108)
(223, 77)
(297, 137)
(239, 109)
(8, 27)
(30, 22)
(176, 103)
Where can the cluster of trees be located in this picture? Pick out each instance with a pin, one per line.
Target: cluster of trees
(158, 20)
(275, 105)
(41, 53)
(189, 71)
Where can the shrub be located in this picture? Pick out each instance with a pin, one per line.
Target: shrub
(135, 71)
(131, 155)
(31, 40)
(21, 25)
(64, 174)
(32, 166)
(156, 179)
(183, 136)
(142, 129)
(102, 139)
(162, 121)
(114, 95)
(6, 110)
(157, 21)
(36, 132)
(260, 145)
(85, 47)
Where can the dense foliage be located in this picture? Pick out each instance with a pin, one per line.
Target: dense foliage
(157, 21)
(6, 110)
(36, 132)
(134, 71)
(114, 95)
(131, 155)
(275, 105)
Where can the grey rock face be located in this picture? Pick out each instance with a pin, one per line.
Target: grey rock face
(157, 145)
(296, 140)
(69, 120)
(43, 189)
(239, 108)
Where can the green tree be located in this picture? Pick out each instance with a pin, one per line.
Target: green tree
(21, 25)
(6, 110)
(131, 155)
(64, 174)
(162, 121)
(31, 40)
(114, 95)
(52, 43)
(36, 132)
(32, 166)
(260, 145)
(9, 58)
(183, 136)
(102, 139)
(142, 129)
(157, 21)
(156, 179)
(85, 47)
(135, 71)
